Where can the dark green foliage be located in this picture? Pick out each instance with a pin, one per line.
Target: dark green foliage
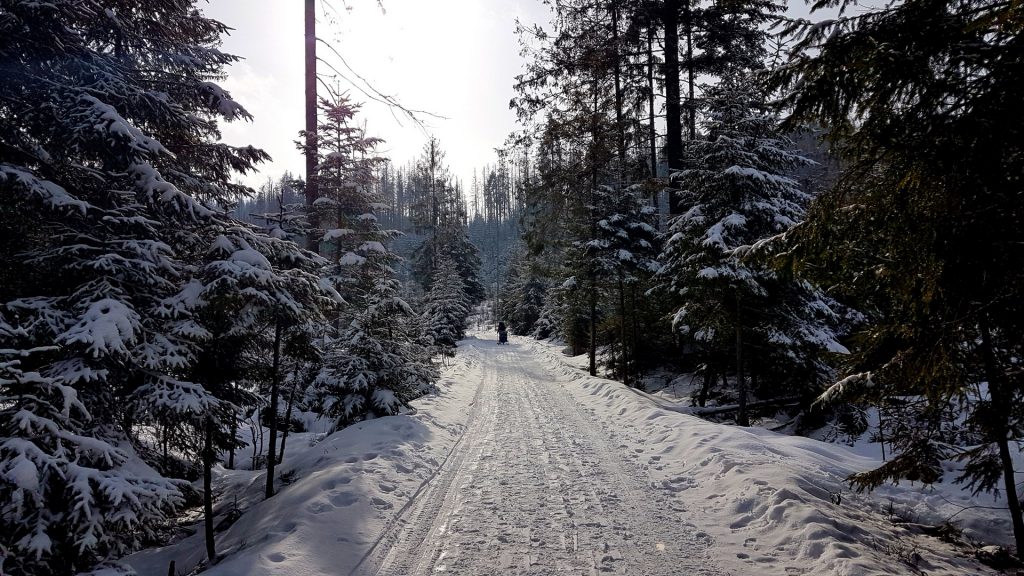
(525, 292)
(451, 241)
(376, 355)
(131, 303)
(923, 230)
(447, 306)
(743, 317)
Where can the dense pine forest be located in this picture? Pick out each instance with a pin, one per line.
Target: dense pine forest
(814, 224)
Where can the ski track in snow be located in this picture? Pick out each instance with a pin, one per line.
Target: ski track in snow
(534, 487)
(520, 464)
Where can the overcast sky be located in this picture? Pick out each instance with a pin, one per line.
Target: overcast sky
(454, 58)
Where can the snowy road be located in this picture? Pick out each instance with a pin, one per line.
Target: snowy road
(521, 464)
(535, 487)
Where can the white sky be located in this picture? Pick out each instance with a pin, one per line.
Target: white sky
(455, 58)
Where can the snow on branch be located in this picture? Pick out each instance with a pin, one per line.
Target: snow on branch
(846, 389)
(104, 120)
(50, 193)
(219, 99)
(106, 328)
(153, 187)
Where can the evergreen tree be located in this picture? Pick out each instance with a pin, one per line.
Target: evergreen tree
(526, 291)
(442, 216)
(451, 242)
(922, 231)
(737, 192)
(346, 207)
(376, 352)
(624, 250)
(447, 306)
(380, 359)
(109, 173)
(285, 211)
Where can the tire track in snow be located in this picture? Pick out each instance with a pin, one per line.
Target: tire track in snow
(534, 488)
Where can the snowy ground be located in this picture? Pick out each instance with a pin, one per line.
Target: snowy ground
(523, 465)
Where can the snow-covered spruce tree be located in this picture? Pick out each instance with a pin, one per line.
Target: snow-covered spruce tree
(346, 206)
(525, 292)
(447, 306)
(108, 121)
(614, 251)
(379, 359)
(451, 240)
(248, 298)
(298, 358)
(376, 349)
(259, 298)
(741, 315)
(624, 250)
(285, 218)
(567, 312)
(466, 256)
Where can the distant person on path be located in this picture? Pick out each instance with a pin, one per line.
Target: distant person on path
(502, 333)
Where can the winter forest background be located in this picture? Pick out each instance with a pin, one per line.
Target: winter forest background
(811, 227)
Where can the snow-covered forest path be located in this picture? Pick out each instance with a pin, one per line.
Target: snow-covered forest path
(534, 486)
(522, 464)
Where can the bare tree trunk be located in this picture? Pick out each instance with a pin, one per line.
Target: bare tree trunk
(164, 441)
(311, 114)
(673, 110)
(651, 131)
(275, 384)
(691, 120)
(592, 273)
(619, 124)
(881, 430)
(593, 325)
(1001, 404)
(208, 456)
(287, 422)
(234, 433)
(741, 384)
(622, 332)
(256, 432)
(635, 343)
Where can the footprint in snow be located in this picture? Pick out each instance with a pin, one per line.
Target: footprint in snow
(332, 483)
(286, 528)
(344, 499)
(319, 508)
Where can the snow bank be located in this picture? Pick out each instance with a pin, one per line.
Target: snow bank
(345, 491)
(777, 504)
(773, 504)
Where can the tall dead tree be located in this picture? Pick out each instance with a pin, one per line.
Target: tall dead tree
(311, 110)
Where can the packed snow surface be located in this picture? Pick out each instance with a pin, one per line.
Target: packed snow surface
(521, 464)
